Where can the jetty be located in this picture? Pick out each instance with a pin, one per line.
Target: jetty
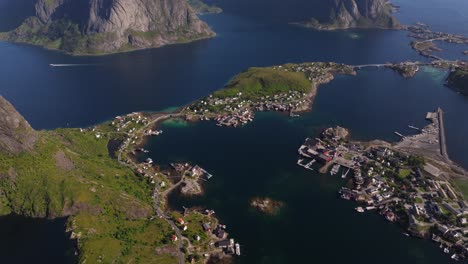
(442, 139)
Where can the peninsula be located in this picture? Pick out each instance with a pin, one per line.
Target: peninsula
(93, 27)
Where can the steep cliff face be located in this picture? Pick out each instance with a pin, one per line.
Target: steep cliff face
(357, 14)
(16, 135)
(105, 26)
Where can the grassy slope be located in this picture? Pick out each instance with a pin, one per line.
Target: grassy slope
(109, 204)
(258, 82)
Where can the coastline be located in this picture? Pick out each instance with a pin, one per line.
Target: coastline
(5, 39)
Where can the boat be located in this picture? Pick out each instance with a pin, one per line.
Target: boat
(149, 160)
(446, 250)
(238, 249)
(359, 209)
(406, 234)
(454, 257)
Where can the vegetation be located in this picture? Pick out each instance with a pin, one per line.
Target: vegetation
(462, 185)
(70, 173)
(258, 82)
(458, 80)
(403, 173)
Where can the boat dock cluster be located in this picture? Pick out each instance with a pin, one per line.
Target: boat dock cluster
(403, 188)
(235, 119)
(237, 110)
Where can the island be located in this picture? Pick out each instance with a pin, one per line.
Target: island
(346, 14)
(94, 27)
(266, 205)
(412, 182)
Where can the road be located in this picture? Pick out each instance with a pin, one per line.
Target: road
(156, 192)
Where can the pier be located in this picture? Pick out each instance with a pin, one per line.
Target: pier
(399, 134)
(413, 127)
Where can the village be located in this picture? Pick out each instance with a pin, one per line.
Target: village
(197, 236)
(412, 190)
(233, 110)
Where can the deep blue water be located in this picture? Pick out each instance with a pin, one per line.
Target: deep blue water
(27, 240)
(258, 160)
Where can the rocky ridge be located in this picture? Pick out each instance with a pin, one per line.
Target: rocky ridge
(346, 14)
(107, 26)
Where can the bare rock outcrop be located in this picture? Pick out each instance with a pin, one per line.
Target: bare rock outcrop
(16, 135)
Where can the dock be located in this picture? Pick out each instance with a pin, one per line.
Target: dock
(399, 134)
(413, 127)
(345, 174)
(307, 166)
(208, 175)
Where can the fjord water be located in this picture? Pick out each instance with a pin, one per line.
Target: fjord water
(258, 160)
(27, 240)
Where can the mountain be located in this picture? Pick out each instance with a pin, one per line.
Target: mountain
(16, 135)
(108, 26)
(458, 80)
(356, 14)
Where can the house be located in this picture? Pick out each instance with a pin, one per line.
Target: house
(452, 210)
(373, 190)
(180, 221)
(223, 243)
(206, 227)
(312, 152)
(220, 233)
(174, 238)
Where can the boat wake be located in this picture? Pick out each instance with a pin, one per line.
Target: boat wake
(70, 65)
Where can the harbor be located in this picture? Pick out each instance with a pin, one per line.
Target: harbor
(405, 182)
